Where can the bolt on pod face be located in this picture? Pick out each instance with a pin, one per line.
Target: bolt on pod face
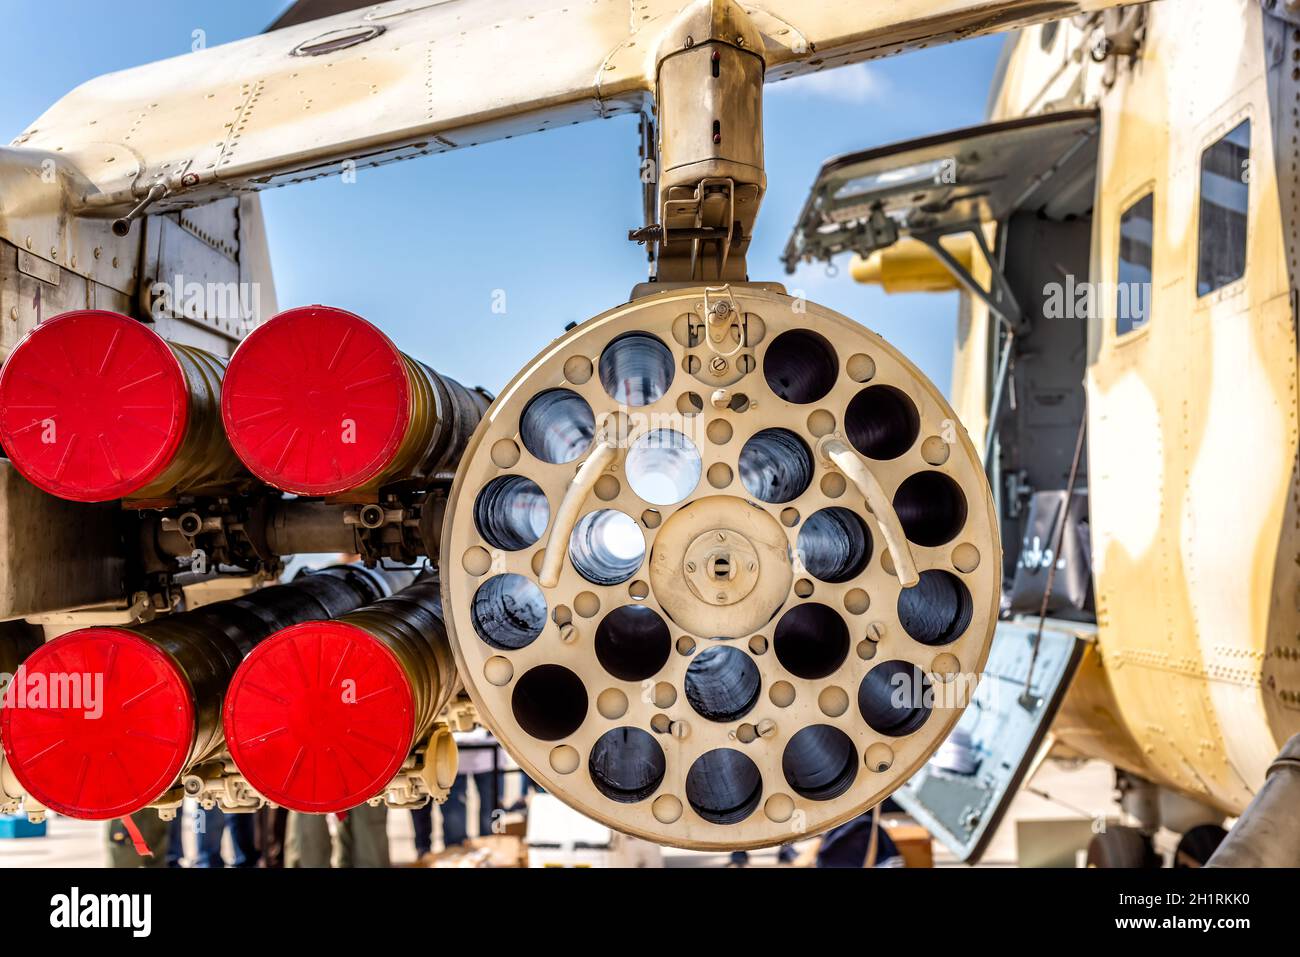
(95, 406)
(721, 568)
(100, 722)
(320, 402)
(322, 715)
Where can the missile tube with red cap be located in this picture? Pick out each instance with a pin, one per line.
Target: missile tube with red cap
(95, 406)
(317, 401)
(100, 722)
(332, 735)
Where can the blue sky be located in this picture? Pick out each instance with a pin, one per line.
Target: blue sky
(421, 247)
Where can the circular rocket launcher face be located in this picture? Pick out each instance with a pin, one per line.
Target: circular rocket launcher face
(668, 594)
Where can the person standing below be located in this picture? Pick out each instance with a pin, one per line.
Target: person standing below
(862, 842)
(477, 754)
(360, 839)
(210, 823)
(478, 760)
(161, 839)
(422, 824)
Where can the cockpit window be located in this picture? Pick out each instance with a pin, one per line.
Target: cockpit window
(1225, 189)
(1133, 292)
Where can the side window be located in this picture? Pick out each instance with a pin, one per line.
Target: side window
(1133, 292)
(1225, 189)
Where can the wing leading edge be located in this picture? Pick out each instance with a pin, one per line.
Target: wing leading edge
(413, 77)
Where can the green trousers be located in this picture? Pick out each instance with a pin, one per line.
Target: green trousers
(362, 839)
(122, 852)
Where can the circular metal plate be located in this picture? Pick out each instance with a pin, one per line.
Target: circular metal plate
(779, 721)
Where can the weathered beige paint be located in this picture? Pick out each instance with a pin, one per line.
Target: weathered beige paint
(1192, 419)
(970, 373)
(246, 114)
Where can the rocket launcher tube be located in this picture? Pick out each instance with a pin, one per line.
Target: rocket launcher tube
(331, 735)
(100, 722)
(320, 402)
(95, 406)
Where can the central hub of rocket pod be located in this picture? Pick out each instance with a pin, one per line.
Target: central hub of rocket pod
(734, 560)
(720, 568)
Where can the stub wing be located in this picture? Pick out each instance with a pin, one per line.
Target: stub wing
(410, 77)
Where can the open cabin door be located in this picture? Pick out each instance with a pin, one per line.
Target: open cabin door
(1019, 195)
(962, 793)
(947, 183)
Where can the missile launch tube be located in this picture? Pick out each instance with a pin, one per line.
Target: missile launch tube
(95, 406)
(320, 402)
(329, 739)
(104, 719)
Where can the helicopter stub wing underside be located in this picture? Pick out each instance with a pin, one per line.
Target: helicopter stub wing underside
(412, 77)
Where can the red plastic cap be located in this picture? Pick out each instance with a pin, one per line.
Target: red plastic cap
(320, 717)
(316, 401)
(98, 723)
(93, 406)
